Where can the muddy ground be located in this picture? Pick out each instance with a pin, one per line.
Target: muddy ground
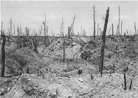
(44, 74)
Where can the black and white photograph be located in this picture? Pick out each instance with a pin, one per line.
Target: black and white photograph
(68, 49)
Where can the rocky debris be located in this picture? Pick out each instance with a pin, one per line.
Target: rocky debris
(86, 55)
(48, 77)
(112, 87)
(57, 81)
(7, 84)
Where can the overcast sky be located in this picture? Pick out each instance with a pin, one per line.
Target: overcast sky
(31, 14)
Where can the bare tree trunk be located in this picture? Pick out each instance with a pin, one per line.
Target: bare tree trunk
(130, 86)
(112, 29)
(127, 32)
(121, 28)
(98, 29)
(10, 26)
(69, 31)
(94, 22)
(119, 21)
(125, 83)
(46, 38)
(62, 34)
(35, 42)
(103, 41)
(63, 48)
(135, 28)
(3, 54)
(14, 31)
(109, 31)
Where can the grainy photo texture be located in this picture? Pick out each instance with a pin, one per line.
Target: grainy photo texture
(68, 49)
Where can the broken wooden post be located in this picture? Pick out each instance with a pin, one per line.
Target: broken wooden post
(103, 41)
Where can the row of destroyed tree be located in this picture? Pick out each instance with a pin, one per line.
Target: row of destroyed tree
(24, 39)
(32, 41)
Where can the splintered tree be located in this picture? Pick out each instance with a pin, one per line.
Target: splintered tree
(135, 27)
(3, 53)
(46, 39)
(109, 31)
(35, 42)
(98, 29)
(94, 22)
(103, 41)
(62, 34)
(118, 26)
(27, 37)
(11, 26)
(112, 29)
(10, 31)
(125, 69)
(121, 27)
(119, 20)
(40, 30)
(27, 31)
(14, 30)
(70, 29)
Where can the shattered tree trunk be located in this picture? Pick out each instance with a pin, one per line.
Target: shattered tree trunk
(94, 22)
(10, 26)
(98, 29)
(70, 28)
(62, 33)
(109, 31)
(103, 41)
(119, 21)
(130, 86)
(64, 49)
(125, 82)
(112, 29)
(35, 43)
(46, 38)
(3, 54)
(121, 28)
(69, 31)
(135, 28)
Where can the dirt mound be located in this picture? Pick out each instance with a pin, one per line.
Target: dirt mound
(22, 61)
